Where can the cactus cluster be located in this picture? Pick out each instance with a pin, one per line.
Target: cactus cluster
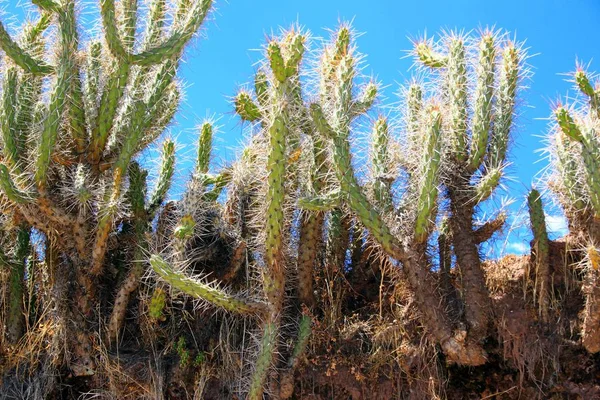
(281, 242)
(575, 169)
(74, 116)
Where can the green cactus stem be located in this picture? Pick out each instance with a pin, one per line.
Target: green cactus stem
(482, 117)
(206, 292)
(428, 191)
(541, 249)
(16, 313)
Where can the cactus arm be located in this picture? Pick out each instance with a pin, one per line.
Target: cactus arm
(541, 249)
(428, 57)
(325, 202)
(366, 99)
(458, 92)
(10, 140)
(505, 106)
(246, 108)
(173, 45)
(352, 190)
(567, 167)
(204, 148)
(111, 95)
(487, 184)
(276, 61)
(66, 16)
(16, 316)
(204, 291)
(165, 177)
(10, 189)
(111, 31)
(487, 230)
(137, 197)
(428, 191)
(276, 166)
(482, 116)
(21, 57)
(46, 5)
(155, 24)
(585, 86)
(64, 71)
(380, 161)
(586, 135)
(264, 360)
(91, 84)
(128, 23)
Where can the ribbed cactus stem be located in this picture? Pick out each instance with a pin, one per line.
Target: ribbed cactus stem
(567, 124)
(204, 291)
(352, 190)
(430, 164)
(16, 316)
(204, 148)
(11, 190)
(128, 22)
(21, 57)
(136, 196)
(567, 166)
(276, 165)
(10, 140)
(322, 203)
(428, 57)
(505, 106)
(245, 107)
(64, 77)
(457, 88)
(381, 164)
(484, 91)
(487, 184)
(261, 88)
(165, 176)
(584, 133)
(276, 61)
(366, 99)
(268, 346)
(541, 247)
(586, 87)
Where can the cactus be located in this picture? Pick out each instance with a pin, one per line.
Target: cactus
(541, 248)
(575, 168)
(413, 256)
(105, 105)
(480, 157)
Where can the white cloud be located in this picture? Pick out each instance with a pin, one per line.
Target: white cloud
(557, 224)
(518, 248)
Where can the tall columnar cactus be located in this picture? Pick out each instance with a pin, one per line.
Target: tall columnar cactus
(107, 102)
(277, 95)
(575, 162)
(478, 127)
(333, 120)
(541, 249)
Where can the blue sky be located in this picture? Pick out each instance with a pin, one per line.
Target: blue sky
(557, 32)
